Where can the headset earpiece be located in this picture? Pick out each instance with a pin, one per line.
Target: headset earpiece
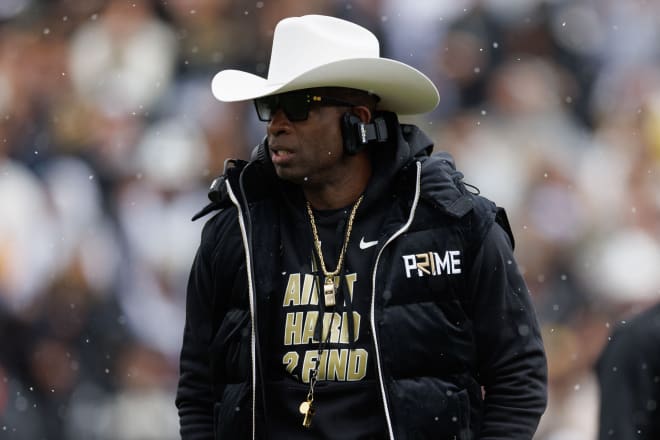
(350, 124)
(357, 134)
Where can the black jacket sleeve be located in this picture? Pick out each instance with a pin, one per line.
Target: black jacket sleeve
(511, 359)
(194, 397)
(197, 387)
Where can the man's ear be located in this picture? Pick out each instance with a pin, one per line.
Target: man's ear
(362, 112)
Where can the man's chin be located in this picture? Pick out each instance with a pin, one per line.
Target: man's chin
(290, 175)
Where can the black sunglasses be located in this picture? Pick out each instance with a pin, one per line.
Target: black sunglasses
(295, 105)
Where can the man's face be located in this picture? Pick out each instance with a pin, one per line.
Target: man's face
(308, 152)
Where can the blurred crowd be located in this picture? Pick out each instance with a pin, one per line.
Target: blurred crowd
(109, 138)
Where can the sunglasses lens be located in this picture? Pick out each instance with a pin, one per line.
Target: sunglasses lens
(266, 107)
(294, 105)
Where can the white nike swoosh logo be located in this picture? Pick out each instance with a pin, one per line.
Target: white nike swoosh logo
(367, 244)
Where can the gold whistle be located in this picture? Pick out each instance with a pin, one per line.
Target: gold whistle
(329, 292)
(307, 409)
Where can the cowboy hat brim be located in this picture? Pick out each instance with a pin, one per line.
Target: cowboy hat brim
(402, 89)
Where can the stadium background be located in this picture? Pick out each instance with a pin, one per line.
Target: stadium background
(109, 138)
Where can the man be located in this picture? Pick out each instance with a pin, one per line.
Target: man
(350, 286)
(629, 378)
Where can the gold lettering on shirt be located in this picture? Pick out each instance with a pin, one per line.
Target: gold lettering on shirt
(335, 364)
(309, 291)
(344, 339)
(310, 327)
(292, 292)
(351, 278)
(293, 328)
(357, 365)
(309, 363)
(300, 327)
(294, 295)
(290, 360)
(337, 361)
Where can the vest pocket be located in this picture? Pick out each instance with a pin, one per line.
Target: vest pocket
(232, 416)
(230, 349)
(429, 408)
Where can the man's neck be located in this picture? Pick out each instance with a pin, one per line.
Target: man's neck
(342, 193)
(332, 198)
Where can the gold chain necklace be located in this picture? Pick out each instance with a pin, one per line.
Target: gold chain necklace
(329, 285)
(329, 290)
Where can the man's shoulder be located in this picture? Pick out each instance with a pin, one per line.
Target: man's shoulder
(218, 192)
(251, 177)
(445, 187)
(443, 184)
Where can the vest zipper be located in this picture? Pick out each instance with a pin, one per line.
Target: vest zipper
(253, 332)
(379, 369)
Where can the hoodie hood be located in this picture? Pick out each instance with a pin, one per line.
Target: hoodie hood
(441, 183)
(406, 143)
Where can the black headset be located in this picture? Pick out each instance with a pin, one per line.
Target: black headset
(357, 134)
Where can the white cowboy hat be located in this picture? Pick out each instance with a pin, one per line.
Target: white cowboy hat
(321, 51)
